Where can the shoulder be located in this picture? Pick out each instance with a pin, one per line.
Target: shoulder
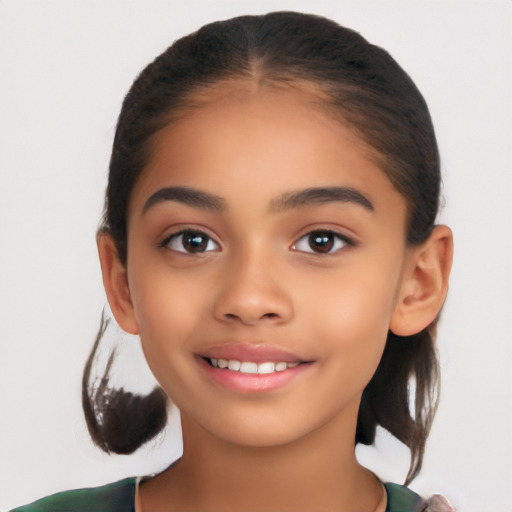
(402, 499)
(115, 497)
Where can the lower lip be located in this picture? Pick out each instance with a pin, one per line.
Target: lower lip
(252, 382)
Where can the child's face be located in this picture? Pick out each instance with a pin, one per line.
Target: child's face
(264, 271)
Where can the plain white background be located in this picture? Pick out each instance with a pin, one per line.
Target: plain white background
(64, 68)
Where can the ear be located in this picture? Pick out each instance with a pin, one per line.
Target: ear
(115, 281)
(424, 283)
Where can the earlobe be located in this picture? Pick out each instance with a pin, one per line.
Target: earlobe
(424, 283)
(116, 286)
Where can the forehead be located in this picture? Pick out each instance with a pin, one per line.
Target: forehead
(267, 139)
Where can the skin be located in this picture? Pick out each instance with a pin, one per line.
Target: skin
(261, 282)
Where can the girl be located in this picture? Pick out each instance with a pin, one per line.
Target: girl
(269, 233)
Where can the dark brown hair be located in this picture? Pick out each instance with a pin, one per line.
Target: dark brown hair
(366, 89)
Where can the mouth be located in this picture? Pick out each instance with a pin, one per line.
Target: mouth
(247, 368)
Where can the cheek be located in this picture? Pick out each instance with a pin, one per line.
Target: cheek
(352, 320)
(167, 311)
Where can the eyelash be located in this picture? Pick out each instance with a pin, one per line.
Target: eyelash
(166, 243)
(334, 242)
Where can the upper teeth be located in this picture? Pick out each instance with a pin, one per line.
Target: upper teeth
(250, 367)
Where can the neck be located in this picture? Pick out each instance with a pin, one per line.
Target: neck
(316, 472)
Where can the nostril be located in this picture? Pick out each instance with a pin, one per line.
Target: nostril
(244, 318)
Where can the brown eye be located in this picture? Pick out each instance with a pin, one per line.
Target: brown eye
(191, 241)
(321, 242)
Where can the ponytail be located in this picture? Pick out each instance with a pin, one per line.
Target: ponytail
(119, 421)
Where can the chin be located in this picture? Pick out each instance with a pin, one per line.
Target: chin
(255, 433)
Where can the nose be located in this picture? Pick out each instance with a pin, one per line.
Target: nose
(251, 294)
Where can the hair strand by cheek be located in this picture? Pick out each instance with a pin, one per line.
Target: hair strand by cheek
(119, 421)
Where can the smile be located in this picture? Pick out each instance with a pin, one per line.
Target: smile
(251, 367)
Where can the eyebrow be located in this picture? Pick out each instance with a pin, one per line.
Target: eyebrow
(287, 201)
(189, 196)
(321, 195)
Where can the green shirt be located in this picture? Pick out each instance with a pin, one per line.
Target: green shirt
(120, 497)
